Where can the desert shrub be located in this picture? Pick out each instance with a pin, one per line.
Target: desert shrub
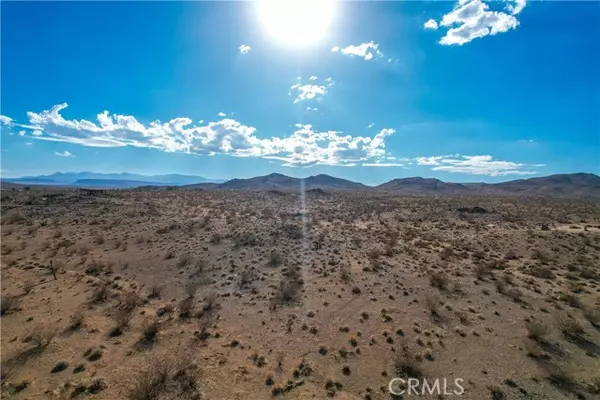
(185, 260)
(537, 331)
(130, 300)
(122, 317)
(28, 286)
(155, 291)
(101, 293)
(482, 270)
(540, 255)
(500, 286)
(95, 268)
(572, 300)
(169, 254)
(345, 274)
(542, 272)
(247, 277)
(288, 292)
(76, 321)
(570, 328)
(433, 303)
(8, 303)
(166, 378)
(593, 316)
(186, 307)
(293, 231)
(215, 238)
(210, 301)
(447, 253)
(275, 258)
(167, 228)
(41, 336)
(594, 386)
(406, 366)
(190, 289)
(439, 280)
(150, 330)
(589, 273)
(152, 382)
(242, 239)
(496, 392)
(515, 294)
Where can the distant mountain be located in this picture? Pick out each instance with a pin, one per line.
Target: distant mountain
(116, 180)
(112, 183)
(283, 182)
(580, 184)
(423, 185)
(576, 185)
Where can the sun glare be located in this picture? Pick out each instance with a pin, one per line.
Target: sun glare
(296, 22)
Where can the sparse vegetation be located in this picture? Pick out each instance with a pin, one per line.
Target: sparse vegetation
(8, 303)
(289, 301)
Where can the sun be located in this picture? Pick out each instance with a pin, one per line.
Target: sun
(296, 22)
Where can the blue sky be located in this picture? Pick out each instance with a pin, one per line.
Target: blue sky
(460, 91)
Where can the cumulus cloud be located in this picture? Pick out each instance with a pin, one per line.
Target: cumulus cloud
(221, 114)
(63, 154)
(431, 24)
(308, 92)
(476, 165)
(304, 147)
(367, 51)
(244, 48)
(4, 120)
(472, 19)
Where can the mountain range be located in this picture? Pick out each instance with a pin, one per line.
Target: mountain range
(577, 185)
(120, 180)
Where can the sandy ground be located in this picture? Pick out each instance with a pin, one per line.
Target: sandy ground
(238, 294)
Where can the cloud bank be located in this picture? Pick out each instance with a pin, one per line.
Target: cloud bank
(476, 165)
(305, 146)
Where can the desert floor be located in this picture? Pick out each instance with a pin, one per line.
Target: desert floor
(259, 295)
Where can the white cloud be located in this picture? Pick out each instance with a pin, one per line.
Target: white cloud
(313, 78)
(221, 114)
(63, 154)
(476, 165)
(516, 6)
(367, 51)
(308, 92)
(372, 124)
(304, 147)
(312, 109)
(4, 120)
(431, 24)
(244, 49)
(383, 164)
(472, 19)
